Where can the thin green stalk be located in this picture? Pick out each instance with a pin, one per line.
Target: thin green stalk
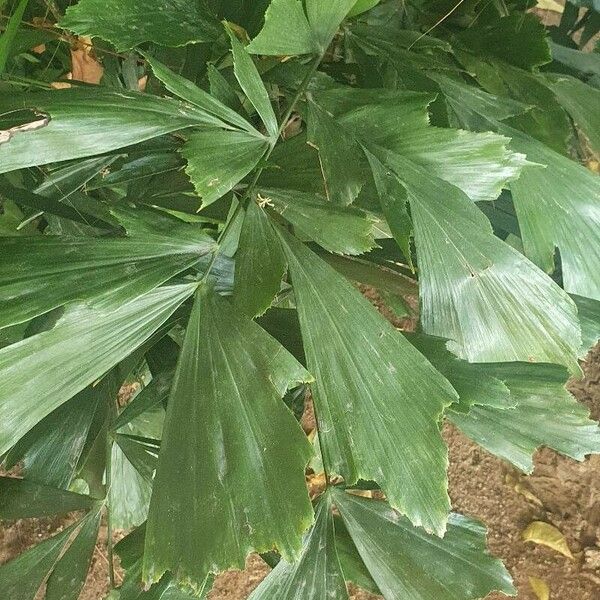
(247, 194)
(323, 460)
(107, 504)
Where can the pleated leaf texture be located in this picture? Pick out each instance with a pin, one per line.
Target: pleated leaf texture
(251, 266)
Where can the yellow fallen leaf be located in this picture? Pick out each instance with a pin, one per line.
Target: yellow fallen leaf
(545, 534)
(550, 5)
(540, 588)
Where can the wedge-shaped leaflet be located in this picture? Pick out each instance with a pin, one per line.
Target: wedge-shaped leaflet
(20, 499)
(259, 264)
(473, 384)
(546, 120)
(219, 159)
(409, 564)
(589, 318)
(68, 576)
(190, 92)
(63, 560)
(316, 574)
(21, 577)
(519, 39)
(134, 459)
(545, 415)
(581, 101)
(130, 491)
(352, 564)
(469, 103)
(230, 476)
(299, 26)
(127, 23)
(165, 589)
(41, 372)
(84, 122)
(478, 291)
(39, 273)
(50, 452)
(342, 174)
(478, 163)
(394, 203)
(378, 400)
(338, 229)
(247, 75)
(558, 207)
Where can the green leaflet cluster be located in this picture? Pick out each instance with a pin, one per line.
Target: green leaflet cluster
(179, 269)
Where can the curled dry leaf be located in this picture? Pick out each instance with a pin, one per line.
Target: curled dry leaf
(545, 534)
(84, 65)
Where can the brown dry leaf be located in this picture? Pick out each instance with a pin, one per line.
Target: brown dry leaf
(545, 534)
(84, 65)
(142, 82)
(540, 588)
(62, 85)
(316, 484)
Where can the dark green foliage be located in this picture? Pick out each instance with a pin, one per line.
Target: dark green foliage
(180, 249)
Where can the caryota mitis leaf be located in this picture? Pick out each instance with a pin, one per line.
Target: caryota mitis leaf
(546, 120)
(21, 578)
(80, 122)
(219, 159)
(519, 39)
(581, 101)
(40, 273)
(42, 372)
(50, 452)
(20, 499)
(378, 401)
(469, 103)
(488, 299)
(342, 171)
(317, 573)
(127, 23)
(241, 219)
(260, 264)
(557, 207)
(480, 164)
(473, 384)
(299, 26)
(62, 561)
(545, 414)
(230, 476)
(247, 75)
(337, 229)
(406, 562)
(190, 92)
(69, 575)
